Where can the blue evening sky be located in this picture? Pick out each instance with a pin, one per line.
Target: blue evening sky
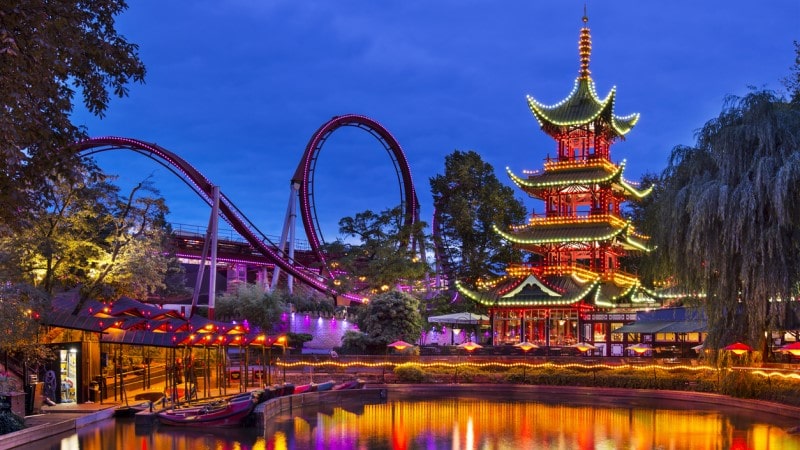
(237, 87)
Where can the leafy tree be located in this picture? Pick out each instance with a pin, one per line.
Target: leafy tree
(792, 82)
(383, 257)
(311, 301)
(644, 216)
(49, 50)
(356, 343)
(19, 328)
(392, 316)
(249, 302)
(85, 234)
(469, 201)
(730, 226)
(131, 260)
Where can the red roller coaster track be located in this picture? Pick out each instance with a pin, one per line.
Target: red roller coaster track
(304, 175)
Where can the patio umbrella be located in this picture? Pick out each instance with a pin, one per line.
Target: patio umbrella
(469, 346)
(583, 346)
(525, 346)
(699, 348)
(793, 348)
(639, 348)
(400, 345)
(738, 348)
(466, 318)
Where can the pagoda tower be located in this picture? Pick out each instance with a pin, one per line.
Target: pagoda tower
(577, 242)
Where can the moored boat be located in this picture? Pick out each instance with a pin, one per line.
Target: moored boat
(326, 386)
(288, 389)
(352, 384)
(305, 388)
(226, 413)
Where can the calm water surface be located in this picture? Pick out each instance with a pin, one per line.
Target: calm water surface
(467, 422)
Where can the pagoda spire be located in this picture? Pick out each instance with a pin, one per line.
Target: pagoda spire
(585, 47)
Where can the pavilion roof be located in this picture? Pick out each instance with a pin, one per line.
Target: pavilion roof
(527, 286)
(128, 321)
(531, 290)
(574, 230)
(582, 107)
(561, 175)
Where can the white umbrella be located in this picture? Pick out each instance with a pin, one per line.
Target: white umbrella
(638, 348)
(469, 346)
(583, 346)
(459, 318)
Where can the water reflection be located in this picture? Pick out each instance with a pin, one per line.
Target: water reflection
(474, 423)
(466, 423)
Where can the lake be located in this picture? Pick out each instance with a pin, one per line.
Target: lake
(468, 420)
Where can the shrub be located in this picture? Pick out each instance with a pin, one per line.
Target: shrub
(409, 373)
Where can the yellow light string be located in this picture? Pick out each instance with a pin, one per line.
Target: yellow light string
(490, 365)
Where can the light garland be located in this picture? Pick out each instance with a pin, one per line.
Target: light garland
(557, 240)
(489, 365)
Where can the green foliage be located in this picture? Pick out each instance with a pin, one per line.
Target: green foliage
(250, 302)
(644, 217)
(85, 234)
(9, 422)
(49, 50)
(728, 223)
(308, 303)
(469, 201)
(392, 316)
(295, 341)
(20, 305)
(792, 82)
(384, 256)
(354, 343)
(409, 373)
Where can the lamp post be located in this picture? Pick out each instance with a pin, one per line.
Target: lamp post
(469, 346)
(282, 342)
(397, 345)
(525, 347)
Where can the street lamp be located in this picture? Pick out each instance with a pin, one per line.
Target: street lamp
(525, 347)
(282, 342)
(469, 347)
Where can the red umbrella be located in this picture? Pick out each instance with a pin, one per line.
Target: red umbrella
(738, 348)
(793, 348)
(400, 345)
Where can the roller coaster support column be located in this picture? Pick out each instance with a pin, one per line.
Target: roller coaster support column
(198, 282)
(288, 233)
(212, 276)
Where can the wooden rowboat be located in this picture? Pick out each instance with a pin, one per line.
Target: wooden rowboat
(226, 413)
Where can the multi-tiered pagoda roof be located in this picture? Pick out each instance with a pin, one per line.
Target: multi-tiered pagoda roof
(581, 236)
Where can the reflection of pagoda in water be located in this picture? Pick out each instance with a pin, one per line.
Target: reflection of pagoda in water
(578, 241)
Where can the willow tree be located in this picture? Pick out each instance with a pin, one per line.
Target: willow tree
(730, 226)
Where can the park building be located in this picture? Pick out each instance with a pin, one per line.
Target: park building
(573, 288)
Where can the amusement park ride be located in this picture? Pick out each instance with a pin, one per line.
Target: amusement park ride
(282, 255)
